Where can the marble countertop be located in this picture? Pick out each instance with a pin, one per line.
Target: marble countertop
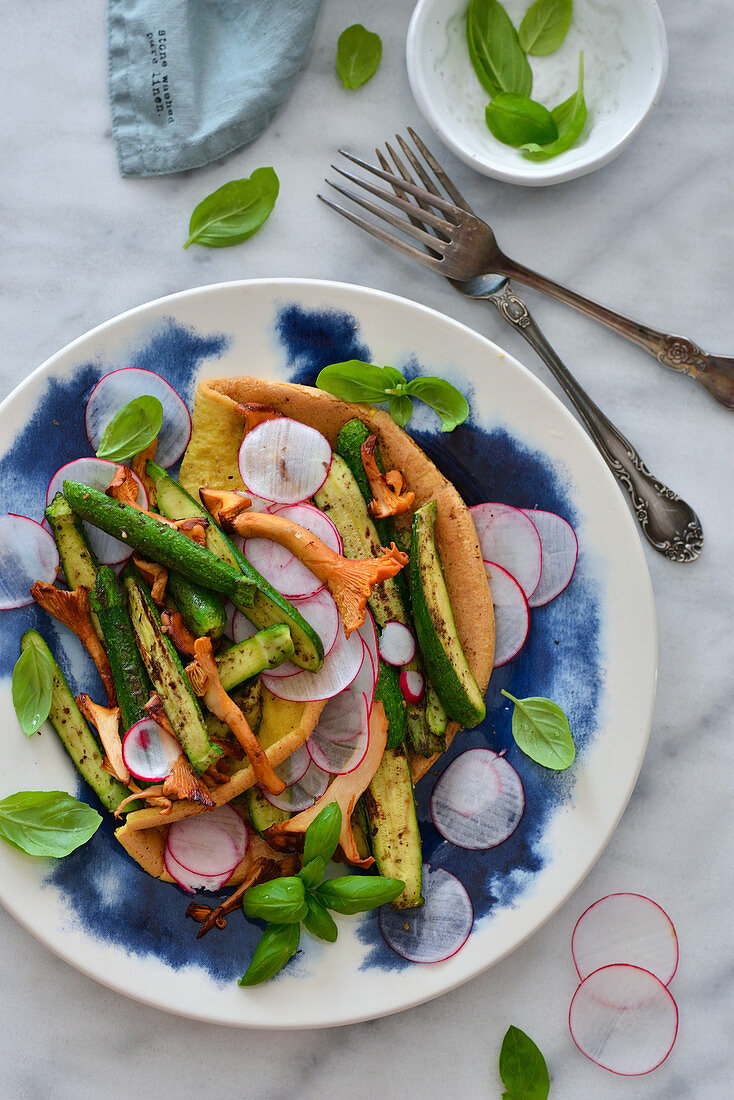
(650, 233)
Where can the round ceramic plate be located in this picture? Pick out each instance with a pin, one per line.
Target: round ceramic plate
(593, 650)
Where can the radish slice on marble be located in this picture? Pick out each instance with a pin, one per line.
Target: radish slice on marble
(302, 794)
(339, 757)
(479, 800)
(97, 473)
(511, 613)
(412, 684)
(397, 644)
(28, 553)
(507, 536)
(338, 671)
(149, 751)
(625, 928)
(322, 614)
(192, 882)
(209, 843)
(294, 767)
(368, 633)
(439, 928)
(118, 388)
(623, 1018)
(344, 717)
(560, 552)
(282, 569)
(284, 460)
(314, 520)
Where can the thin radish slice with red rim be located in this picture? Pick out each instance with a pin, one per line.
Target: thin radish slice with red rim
(508, 537)
(314, 520)
(439, 928)
(303, 793)
(192, 882)
(479, 800)
(209, 843)
(294, 767)
(97, 473)
(397, 643)
(149, 751)
(27, 554)
(337, 672)
(623, 1018)
(625, 928)
(560, 549)
(345, 717)
(511, 613)
(281, 569)
(284, 460)
(412, 684)
(321, 613)
(120, 387)
(365, 681)
(368, 633)
(339, 757)
(242, 628)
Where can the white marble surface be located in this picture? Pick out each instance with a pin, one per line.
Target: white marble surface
(650, 233)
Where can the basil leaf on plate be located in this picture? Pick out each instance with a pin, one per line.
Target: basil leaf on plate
(358, 893)
(319, 921)
(443, 398)
(517, 120)
(132, 429)
(278, 944)
(545, 26)
(494, 48)
(358, 54)
(322, 835)
(32, 689)
(280, 901)
(541, 730)
(235, 211)
(570, 118)
(312, 872)
(46, 823)
(400, 409)
(522, 1068)
(355, 381)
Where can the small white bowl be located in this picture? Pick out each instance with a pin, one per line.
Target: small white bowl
(625, 62)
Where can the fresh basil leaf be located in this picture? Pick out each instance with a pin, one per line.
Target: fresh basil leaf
(394, 380)
(358, 55)
(322, 835)
(280, 901)
(278, 944)
(46, 823)
(32, 688)
(132, 429)
(517, 120)
(358, 893)
(400, 409)
(541, 730)
(544, 26)
(443, 398)
(235, 211)
(354, 381)
(312, 872)
(319, 921)
(495, 51)
(522, 1068)
(570, 118)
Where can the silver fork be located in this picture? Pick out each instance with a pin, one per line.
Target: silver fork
(451, 241)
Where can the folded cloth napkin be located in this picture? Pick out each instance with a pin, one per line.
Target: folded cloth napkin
(191, 80)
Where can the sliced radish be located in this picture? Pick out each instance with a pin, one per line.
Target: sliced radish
(507, 536)
(149, 751)
(368, 633)
(209, 843)
(439, 928)
(365, 682)
(560, 549)
(242, 628)
(118, 388)
(338, 671)
(338, 757)
(412, 684)
(302, 794)
(284, 460)
(192, 882)
(511, 613)
(97, 473)
(27, 554)
(344, 717)
(281, 568)
(314, 520)
(478, 801)
(294, 767)
(623, 1018)
(397, 643)
(625, 928)
(322, 614)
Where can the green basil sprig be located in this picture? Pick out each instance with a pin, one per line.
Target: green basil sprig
(358, 55)
(287, 901)
(32, 689)
(235, 211)
(517, 120)
(522, 1068)
(541, 730)
(569, 117)
(495, 51)
(354, 380)
(46, 823)
(545, 26)
(131, 429)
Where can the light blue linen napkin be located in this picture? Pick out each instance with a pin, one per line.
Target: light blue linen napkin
(192, 80)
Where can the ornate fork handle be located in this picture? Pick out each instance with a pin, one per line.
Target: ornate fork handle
(669, 524)
(714, 372)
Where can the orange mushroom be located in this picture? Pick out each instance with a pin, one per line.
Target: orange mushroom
(72, 609)
(387, 489)
(106, 721)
